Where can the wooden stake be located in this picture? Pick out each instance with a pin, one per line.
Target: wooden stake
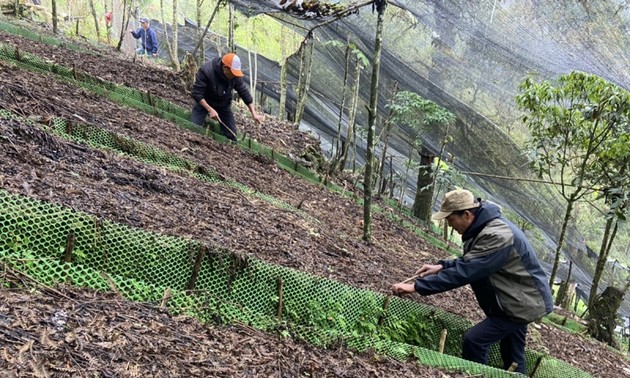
(386, 303)
(512, 367)
(538, 361)
(165, 298)
(280, 283)
(193, 277)
(70, 242)
(443, 340)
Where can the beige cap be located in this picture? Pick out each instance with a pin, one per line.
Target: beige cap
(460, 199)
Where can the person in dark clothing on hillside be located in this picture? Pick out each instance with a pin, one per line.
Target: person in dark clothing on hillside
(212, 92)
(502, 269)
(147, 37)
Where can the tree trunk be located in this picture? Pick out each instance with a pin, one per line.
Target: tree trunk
(388, 128)
(231, 44)
(171, 48)
(564, 288)
(439, 161)
(423, 201)
(306, 63)
(205, 31)
(338, 151)
(403, 184)
(55, 18)
(93, 10)
(202, 53)
(125, 22)
(601, 262)
(381, 6)
(563, 231)
(603, 316)
(282, 106)
(350, 134)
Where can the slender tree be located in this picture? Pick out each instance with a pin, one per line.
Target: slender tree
(95, 17)
(387, 131)
(354, 104)
(55, 17)
(571, 124)
(304, 81)
(205, 31)
(124, 22)
(381, 8)
(171, 47)
(231, 44)
(200, 33)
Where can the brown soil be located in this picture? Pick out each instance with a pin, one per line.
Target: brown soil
(326, 243)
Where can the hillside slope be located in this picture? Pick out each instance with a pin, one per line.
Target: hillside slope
(326, 242)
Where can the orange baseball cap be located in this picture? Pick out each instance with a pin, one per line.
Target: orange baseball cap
(233, 62)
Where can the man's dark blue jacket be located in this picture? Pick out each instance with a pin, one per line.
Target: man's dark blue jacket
(501, 268)
(148, 39)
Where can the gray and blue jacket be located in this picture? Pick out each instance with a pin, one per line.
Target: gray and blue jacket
(501, 267)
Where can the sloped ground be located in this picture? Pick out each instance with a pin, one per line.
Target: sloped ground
(69, 332)
(124, 190)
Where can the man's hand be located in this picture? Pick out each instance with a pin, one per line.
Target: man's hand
(213, 114)
(258, 118)
(427, 270)
(403, 288)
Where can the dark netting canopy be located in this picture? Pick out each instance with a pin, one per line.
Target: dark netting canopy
(469, 57)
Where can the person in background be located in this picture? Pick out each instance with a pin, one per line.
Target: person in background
(502, 269)
(212, 91)
(147, 37)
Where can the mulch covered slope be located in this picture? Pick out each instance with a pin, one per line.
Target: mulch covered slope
(70, 332)
(327, 243)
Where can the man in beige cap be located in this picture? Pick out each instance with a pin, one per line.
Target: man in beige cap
(500, 266)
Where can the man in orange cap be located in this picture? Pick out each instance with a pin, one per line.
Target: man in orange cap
(212, 91)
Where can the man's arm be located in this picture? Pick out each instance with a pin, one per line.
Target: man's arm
(252, 109)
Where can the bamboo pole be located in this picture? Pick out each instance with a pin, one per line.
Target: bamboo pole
(193, 277)
(443, 340)
(280, 283)
(512, 367)
(70, 243)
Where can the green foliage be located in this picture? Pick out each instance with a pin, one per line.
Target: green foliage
(411, 109)
(414, 330)
(577, 127)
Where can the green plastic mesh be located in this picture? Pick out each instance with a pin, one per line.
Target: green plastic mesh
(37, 237)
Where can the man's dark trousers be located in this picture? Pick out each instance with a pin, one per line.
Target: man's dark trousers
(509, 334)
(228, 126)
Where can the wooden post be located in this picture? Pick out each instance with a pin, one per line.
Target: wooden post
(193, 277)
(443, 340)
(70, 242)
(386, 303)
(74, 71)
(538, 361)
(165, 298)
(280, 283)
(512, 367)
